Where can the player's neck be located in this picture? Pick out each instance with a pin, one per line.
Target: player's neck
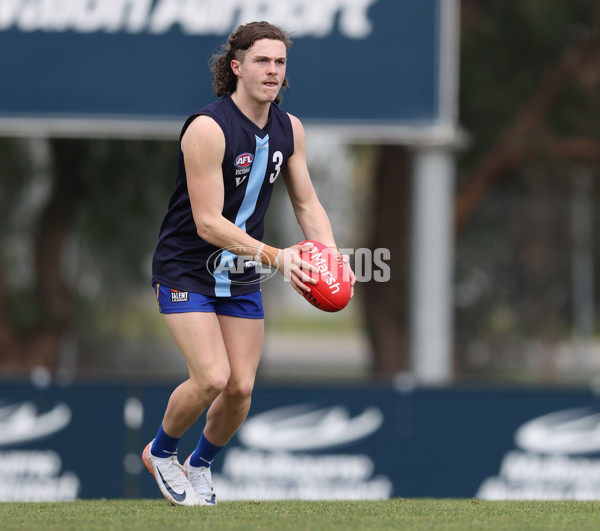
(257, 112)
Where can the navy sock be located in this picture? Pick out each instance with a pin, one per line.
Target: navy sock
(164, 445)
(204, 453)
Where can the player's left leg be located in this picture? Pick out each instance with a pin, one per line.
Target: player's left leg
(243, 341)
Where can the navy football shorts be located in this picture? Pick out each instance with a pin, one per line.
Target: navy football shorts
(174, 301)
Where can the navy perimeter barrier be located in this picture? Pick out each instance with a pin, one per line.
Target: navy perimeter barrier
(310, 442)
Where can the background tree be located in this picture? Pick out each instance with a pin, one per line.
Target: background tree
(78, 215)
(529, 99)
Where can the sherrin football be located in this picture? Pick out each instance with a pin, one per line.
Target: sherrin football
(332, 291)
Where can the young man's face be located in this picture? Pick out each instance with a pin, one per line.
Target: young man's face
(262, 70)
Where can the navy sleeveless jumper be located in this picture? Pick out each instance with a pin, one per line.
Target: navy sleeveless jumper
(252, 162)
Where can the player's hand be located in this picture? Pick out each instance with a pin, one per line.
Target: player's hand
(300, 273)
(348, 273)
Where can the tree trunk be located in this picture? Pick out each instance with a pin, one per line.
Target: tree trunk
(39, 344)
(386, 303)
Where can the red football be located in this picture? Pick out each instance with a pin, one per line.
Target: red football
(331, 293)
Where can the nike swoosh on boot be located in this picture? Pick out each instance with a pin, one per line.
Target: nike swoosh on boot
(176, 495)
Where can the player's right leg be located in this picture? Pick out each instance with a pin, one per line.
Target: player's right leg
(198, 336)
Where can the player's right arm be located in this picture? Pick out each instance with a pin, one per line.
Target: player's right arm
(203, 147)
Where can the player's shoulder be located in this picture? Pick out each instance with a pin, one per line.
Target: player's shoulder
(207, 120)
(202, 124)
(294, 119)
(297, 126)
(203, 128)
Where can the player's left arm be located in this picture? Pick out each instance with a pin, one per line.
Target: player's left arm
(309, 211)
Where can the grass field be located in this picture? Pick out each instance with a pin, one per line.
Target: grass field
(410, 514)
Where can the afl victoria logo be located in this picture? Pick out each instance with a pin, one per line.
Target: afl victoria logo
(244, 160)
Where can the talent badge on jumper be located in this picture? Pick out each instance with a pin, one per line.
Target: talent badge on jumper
(179, 296)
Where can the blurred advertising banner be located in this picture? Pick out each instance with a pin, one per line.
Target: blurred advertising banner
(353, 61)
(310, 442)
(59, 444)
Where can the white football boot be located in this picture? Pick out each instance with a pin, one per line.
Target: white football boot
(170, 478)
(201, 480)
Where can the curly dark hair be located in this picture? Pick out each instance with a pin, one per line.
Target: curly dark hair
(224, 80)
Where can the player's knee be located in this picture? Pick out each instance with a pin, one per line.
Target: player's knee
(210, 385)
(241, 390)
(217, 383)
